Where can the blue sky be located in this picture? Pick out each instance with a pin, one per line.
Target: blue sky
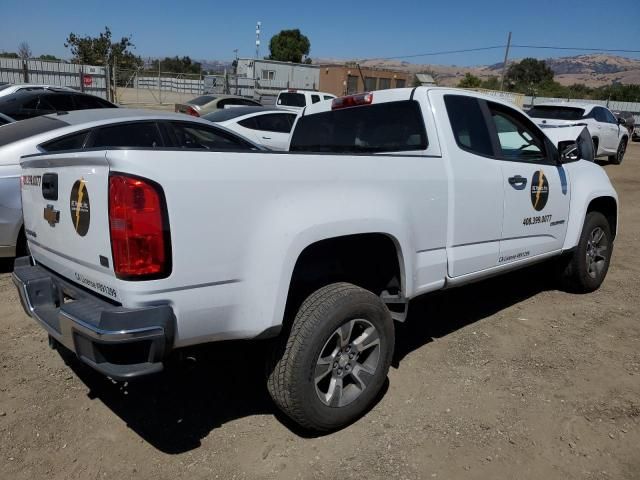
(337, 29)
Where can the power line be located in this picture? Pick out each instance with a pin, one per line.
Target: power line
(550, 47)
(495, 47)
(446, 52)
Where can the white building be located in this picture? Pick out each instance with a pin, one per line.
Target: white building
(274, 75)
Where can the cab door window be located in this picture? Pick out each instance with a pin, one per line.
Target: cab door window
(517, 137)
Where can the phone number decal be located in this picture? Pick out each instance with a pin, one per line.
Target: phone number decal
(536, 220)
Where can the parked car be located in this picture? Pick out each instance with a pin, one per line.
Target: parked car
(9, 88)
(296, 100)
(137, 253)
(610, 137)
(4, 119)
(33, 103)
(266, 126)
(627, 119)
(102, 128)
(636, 134)
(200, 106)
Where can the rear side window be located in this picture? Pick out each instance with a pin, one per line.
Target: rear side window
(315, 98)
(292, 99)
(195, 137)
(86, 101)
(468, 124)
(385, 127)
(60, 102)
(140, 135)
(328, 97)
(70, 142)
(273, 122)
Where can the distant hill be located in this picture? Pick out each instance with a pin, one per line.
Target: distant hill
(593, 70)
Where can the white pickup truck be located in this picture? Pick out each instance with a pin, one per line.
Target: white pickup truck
(137, 253)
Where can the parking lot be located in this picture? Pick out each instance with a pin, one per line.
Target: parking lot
(509, 378)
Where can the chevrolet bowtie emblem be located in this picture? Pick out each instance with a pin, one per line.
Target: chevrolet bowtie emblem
(51, 215)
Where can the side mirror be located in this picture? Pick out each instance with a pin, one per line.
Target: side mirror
(621, 121)
(569, 152)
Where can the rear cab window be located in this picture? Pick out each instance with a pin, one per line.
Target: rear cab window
(384, 127)
(291, 99)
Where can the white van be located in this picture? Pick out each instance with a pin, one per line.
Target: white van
(296, 100)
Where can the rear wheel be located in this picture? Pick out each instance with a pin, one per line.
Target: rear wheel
(619, 156)
(587, 267)
(336, 358)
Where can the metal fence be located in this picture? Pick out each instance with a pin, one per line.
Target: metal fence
(86, 78)
(163, 89)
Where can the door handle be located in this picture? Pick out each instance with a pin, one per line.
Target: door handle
(266, 138)
(518, 182)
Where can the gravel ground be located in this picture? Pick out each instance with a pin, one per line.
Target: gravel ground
(508, 378)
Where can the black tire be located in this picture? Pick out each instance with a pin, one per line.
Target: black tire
(619, 156)
(292, 377)
(578, 275)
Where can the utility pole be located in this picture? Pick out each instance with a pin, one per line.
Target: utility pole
(504, 65)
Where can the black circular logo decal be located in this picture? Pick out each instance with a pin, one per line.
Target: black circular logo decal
(80, 207)
(539, 190)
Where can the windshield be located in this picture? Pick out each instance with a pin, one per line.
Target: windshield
(556, 113)
(385, 127)
(203, 100)
(291, 99)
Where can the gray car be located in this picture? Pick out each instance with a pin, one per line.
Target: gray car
(97, 129)
(200, 106)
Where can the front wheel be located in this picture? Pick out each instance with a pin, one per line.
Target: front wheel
(336, 359)
(619, 156)
(587, 267)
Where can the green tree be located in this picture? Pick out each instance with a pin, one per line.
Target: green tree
(470, 81)
(101, 50)
(289, 46)
(51, 58)
(9, 55)
(177, 65)
(491, 83)
(528, 74)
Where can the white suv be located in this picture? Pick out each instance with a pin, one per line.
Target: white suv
(296, 100)
(609, 136)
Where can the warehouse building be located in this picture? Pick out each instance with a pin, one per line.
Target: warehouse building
(348, 78)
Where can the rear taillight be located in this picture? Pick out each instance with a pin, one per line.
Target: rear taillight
(192, 111)
(139, 228)
(352, 101)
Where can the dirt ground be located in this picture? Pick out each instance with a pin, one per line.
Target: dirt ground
(508, 378)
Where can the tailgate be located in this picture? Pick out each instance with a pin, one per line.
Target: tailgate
(65, 204)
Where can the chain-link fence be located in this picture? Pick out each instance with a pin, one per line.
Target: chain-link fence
(146, 88)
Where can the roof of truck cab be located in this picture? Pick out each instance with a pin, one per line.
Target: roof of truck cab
(399, 94)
